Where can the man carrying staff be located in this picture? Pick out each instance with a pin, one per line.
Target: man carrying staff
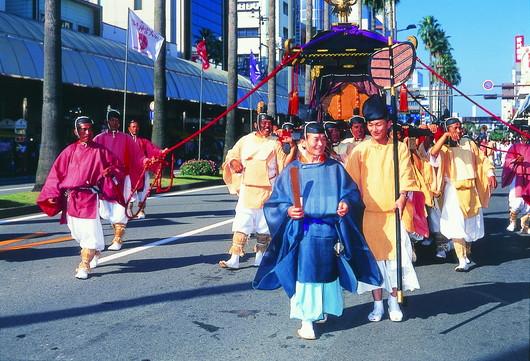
(317, 247)
(74, 186)
(130, 156)
(250, 170)
(371, 166)
(149, 150)
(466, 179)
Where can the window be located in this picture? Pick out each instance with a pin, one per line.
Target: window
(285, 8)
(137, 4)
(66, 24)
(247, 33)
(83, 29)
(285, 32)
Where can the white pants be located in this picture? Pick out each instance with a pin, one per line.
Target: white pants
(250, 220)
(453, 225)
(517, 204)
(140, 195)
(388, 269)
(87, 232)
(113, 211)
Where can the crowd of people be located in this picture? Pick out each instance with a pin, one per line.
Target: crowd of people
(319, 197)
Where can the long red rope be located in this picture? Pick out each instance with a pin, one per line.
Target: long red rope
(496, 117)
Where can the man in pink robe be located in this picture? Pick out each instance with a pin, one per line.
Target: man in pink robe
(129, 154)
(515, 173)
(149, 150)
(73, 187)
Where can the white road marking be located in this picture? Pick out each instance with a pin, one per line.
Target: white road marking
(4, 221)
(39, 215)
(186, 191)
(14, 189)
(163, 241)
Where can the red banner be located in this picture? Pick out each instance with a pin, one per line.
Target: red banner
(403, 99)
(203, 54)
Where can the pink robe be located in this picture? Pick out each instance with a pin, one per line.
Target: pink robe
(149, 150)
(129, 154)
(520, 172)
(75, 170)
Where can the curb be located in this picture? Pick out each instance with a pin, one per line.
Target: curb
(26, 210)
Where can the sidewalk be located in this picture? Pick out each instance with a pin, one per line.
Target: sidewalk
(26, 210)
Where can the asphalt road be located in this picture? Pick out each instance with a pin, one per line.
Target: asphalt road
(163, 297)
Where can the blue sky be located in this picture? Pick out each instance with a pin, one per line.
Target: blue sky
(482, 36)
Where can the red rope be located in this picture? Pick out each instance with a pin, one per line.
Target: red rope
(496, 117)
(285, 61)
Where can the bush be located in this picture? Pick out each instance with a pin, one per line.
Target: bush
(198, 167)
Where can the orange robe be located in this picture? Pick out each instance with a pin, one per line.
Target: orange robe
(262, 159)
(371, 166)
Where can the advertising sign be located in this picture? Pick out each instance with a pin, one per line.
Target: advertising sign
(519, 43)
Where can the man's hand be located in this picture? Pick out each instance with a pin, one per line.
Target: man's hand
(492, 181)
(295, 212)
(433, 128)
(107, 172)
(518, 159)
(400, 203)
(342, 209)
(236, 165)
(52, 200)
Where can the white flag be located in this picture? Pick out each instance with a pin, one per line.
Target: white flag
(142, 38)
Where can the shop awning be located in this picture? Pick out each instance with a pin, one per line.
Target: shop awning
(92, 61)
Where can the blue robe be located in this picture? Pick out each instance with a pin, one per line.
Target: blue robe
(302, 250)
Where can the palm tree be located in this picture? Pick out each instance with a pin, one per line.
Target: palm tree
(230, 129)
(447, 68)
(271, 43)
(159, 123)
(51, 91)
(375, 6)
(308, 36)
(213, 44)
(431, 33)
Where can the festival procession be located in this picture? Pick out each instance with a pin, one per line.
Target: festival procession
(316, 194)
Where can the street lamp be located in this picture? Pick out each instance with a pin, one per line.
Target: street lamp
(409, 27)
(261, 20)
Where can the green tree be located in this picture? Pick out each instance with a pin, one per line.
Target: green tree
(435, 42)
(51, 92)
(213, 44)
(159, 123)
(230, 128)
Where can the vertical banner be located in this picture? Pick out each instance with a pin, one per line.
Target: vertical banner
(519, 43)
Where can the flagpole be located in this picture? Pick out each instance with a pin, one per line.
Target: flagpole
(250, 111)
(200, 113)
(126, 65)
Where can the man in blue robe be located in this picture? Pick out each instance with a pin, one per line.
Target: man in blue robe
(317, 248)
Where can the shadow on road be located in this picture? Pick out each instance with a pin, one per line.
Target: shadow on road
(470, 297)
(156, 264)
(66, 313)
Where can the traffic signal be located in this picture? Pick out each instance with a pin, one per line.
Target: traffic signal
(490, 96)
(508, 91)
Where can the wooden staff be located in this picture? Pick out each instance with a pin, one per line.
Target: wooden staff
(295, 186)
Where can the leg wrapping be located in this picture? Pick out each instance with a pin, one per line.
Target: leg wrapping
(460, 248)
(239, 240)
(86, 257)
(119, 231)
(262, 242)
(524, 223)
